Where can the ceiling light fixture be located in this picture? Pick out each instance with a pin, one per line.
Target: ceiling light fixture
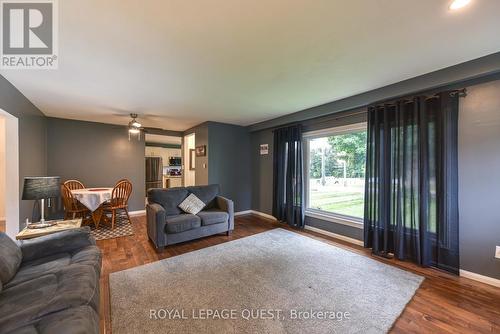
(134, 127)
(134, 122)
(457, 4)
(134, 130)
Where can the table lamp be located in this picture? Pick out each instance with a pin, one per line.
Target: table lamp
(40, 188)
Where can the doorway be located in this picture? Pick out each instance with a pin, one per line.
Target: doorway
(163, 161)
(189, 160)
(9, 174)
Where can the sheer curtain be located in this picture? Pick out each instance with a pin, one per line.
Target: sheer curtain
(411, 191)
(288, 184)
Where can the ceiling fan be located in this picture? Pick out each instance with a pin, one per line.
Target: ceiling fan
(134, 127)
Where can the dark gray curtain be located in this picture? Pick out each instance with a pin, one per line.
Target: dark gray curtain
(411, 194)
(288, 184)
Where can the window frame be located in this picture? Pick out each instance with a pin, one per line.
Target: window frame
(320, 214)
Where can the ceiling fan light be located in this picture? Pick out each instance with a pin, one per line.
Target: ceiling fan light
(134, 130)
(135, 124)
(457, 4)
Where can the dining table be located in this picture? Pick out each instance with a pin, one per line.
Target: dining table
(93, 199)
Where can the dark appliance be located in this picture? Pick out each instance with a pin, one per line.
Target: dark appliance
(174, 161)
(154, 173)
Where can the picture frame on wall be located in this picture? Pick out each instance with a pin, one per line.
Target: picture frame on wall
(264, 149)
(201, 151)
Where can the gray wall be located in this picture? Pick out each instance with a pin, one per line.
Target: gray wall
(32, 142)
(262, 171)
(341, 229)
(229, 162)
(479, 182)
(96, 154)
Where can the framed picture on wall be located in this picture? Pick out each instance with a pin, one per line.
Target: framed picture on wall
(201, 151)
(264, 149)
(192, 157)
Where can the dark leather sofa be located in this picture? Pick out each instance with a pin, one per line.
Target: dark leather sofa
(50, 284)
(167, 224)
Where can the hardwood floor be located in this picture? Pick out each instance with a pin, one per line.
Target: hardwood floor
(443, 304)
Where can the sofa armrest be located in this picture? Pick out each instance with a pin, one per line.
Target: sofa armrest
(60, 242)
(228, 206)
(156, 217)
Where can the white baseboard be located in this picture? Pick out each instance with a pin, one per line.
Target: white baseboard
(314, 229)
(265, 215)
(335, 235)
(258, 213)
(241, 213)
(480, 278)
(137, 213)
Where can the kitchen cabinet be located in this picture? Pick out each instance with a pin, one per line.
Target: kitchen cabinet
(172, 181)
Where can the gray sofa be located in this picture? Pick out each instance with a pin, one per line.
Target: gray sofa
(50, 284)
(167, 224)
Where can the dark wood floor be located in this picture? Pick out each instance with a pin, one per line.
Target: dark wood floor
(443, 303)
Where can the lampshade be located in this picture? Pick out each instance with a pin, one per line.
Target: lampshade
(40, 187)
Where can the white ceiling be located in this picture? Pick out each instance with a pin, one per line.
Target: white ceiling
(178, 63)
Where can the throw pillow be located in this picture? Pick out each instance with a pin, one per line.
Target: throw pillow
(192, 204)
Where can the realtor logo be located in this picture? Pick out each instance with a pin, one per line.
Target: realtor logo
(29, 34)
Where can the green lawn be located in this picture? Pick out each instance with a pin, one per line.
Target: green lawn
(349, 201)
(341, 202)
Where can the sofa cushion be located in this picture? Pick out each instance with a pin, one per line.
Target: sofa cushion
(169, 199)
(207, 194)
(90, 255)
(69, 287)
(192, 204)
(210, 217)
(75, 320)
(181, 223)
(10, 258)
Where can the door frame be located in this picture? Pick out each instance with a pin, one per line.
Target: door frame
(12, 182)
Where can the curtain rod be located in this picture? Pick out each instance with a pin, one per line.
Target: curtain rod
(460, 92)
(408, 99)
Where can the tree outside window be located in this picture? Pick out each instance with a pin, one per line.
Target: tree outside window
(336, 173)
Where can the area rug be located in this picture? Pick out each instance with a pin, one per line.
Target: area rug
(123, 227)
(273, 282)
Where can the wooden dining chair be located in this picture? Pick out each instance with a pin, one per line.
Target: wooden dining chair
(119, 201)
(121, 180)
(72, 208)
(74, 185)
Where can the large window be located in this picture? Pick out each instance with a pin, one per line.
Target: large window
(335, 172)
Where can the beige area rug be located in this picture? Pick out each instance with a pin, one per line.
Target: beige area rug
(273, 282)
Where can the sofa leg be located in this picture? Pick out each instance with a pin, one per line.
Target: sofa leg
(160, 249)
(228, 233)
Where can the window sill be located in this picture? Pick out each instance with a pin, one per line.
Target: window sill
(334, 219)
